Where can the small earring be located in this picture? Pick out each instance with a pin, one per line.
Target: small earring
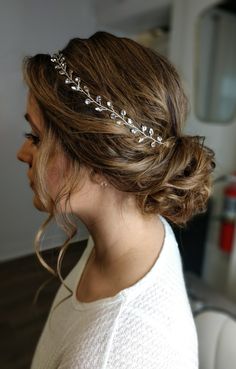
(103, 184)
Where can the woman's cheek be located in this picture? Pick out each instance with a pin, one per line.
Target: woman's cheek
(56, 176)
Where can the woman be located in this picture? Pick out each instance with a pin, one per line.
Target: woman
(107, 148)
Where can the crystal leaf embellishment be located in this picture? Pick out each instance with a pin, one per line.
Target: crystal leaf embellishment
(109, 103)
(99, 99)
(98, 108)
(150, 132)
(146, 132)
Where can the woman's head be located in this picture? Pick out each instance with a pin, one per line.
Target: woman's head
(172, 179)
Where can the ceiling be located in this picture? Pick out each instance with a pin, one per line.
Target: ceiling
(133, 16)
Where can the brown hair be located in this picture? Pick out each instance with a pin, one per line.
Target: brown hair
(173, 180)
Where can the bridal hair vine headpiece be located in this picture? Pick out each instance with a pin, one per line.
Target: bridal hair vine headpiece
(147, 133)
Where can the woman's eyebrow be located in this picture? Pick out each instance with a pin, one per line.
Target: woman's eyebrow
(28, 118)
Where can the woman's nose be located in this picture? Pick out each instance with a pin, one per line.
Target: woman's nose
(24, 154)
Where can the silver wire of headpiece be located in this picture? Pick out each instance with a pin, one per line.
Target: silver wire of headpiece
(61, 65)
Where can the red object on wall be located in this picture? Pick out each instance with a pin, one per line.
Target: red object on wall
(228, 224)
(226, 236)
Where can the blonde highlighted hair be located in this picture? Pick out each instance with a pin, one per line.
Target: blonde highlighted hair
(173, 180)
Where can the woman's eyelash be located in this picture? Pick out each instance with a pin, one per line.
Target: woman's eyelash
(32, 137)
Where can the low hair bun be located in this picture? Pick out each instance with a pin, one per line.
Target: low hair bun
(185, 181)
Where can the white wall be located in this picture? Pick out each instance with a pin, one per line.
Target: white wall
(28, 27)
(183, 53)
(219, 268)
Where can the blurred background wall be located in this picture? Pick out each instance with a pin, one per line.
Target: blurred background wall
(28, 27)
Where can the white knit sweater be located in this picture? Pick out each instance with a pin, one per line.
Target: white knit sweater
(148, 325)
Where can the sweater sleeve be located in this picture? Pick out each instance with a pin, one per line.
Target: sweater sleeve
(141, 343)
(138, 343)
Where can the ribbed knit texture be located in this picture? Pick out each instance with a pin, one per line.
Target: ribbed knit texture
(148, 325)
